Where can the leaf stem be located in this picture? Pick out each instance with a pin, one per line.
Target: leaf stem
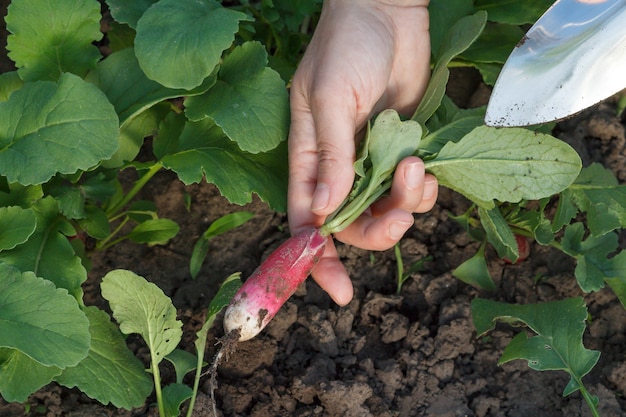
(139, 184)
(589, 399)
(106, 242)
(157, 384)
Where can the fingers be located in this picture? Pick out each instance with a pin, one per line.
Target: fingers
(331, 276)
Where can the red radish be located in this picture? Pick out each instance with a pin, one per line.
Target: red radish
(523, 249)
(273, 282)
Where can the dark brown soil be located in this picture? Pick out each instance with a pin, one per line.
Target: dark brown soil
(410, 354)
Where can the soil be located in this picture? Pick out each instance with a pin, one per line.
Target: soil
(415, 353)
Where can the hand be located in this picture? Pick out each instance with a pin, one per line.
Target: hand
(365, 56)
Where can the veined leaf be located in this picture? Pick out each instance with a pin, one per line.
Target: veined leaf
(9, 82)
(16, 226)
(180, 42)
(110, 373)
(20, 375)
(173, 397)
(47, 252)
(197, 150)
(559, 327)
(443, 14)
(154, 231)
(593, 265)
(141, 307)
(249, 101)
(54, 128)
(50, 37)
(33, 309)
(505, 165)
(499, 233)
(129, 12)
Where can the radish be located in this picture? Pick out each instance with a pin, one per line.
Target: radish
(273, 282)
(523, 249)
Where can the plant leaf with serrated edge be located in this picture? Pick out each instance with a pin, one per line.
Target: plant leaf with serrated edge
(110, 373)
(249, 101)
(50, 37)
(200, 150)
(46, 132)
(16, 226)
(593, 265)
(179, 42)
(31, 309)
(47, 252)
(505, 165)
(141, 307)
(559, 327)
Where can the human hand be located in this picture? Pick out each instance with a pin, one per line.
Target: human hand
(365, 56)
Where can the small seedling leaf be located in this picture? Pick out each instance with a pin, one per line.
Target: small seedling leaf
(173, 397)
(506, 165)
(51, 37)
(249, 100)
(110, 373)
(16, 226)
(154, 231)
(141, 307)
(31, 309)
(474, 271)
(46, 132)
(218, 227)
(557, 345)
(183, 362)
(180, 42)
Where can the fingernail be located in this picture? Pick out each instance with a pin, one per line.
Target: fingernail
(429, 188)
(321, 197)
(398, 229)
(414, 175)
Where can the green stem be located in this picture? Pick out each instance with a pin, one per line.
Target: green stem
(139, 184)
(196, 383)
(588, 399)
(106, 242)
(354, 209)
(157, 385)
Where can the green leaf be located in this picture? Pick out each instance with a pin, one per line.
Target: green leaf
(20, 375)
(47, 252)
(218, 227)
(183, 361)
(180, 42)
(96, 223)
(55, 127)
(33, 309)
(458, 38)
(50, 37)
(202, 151)
(173, 397)
(141, 307)
(9, 82)
(499, 233)
(20, 195)
(154, 231)
(474, 271)
(505, 165)
(513, 12)
(443, 15)
(596, 192)
(110, 373)
(129, 90)
(249, 101)
(593, 264)
(129, 12)
(494, 45)
(16, 226)
(559, 327)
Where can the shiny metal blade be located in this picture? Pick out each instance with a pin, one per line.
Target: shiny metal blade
(573, 57)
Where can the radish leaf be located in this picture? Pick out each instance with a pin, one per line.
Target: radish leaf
(20, 375)
(51, 37)
(46, 132)
(499, 233)
(173, 44)
(16, 226)
(141, 307)
(557, 345)
(249, 101)
(110, 373)
(129, 12)
(154, 231)
(474, 271)
(505, 165)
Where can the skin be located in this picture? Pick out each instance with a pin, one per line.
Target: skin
(365, 56)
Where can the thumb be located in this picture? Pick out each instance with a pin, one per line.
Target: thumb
(335, 131)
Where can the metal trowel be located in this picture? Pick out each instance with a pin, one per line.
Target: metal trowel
(573, 57)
